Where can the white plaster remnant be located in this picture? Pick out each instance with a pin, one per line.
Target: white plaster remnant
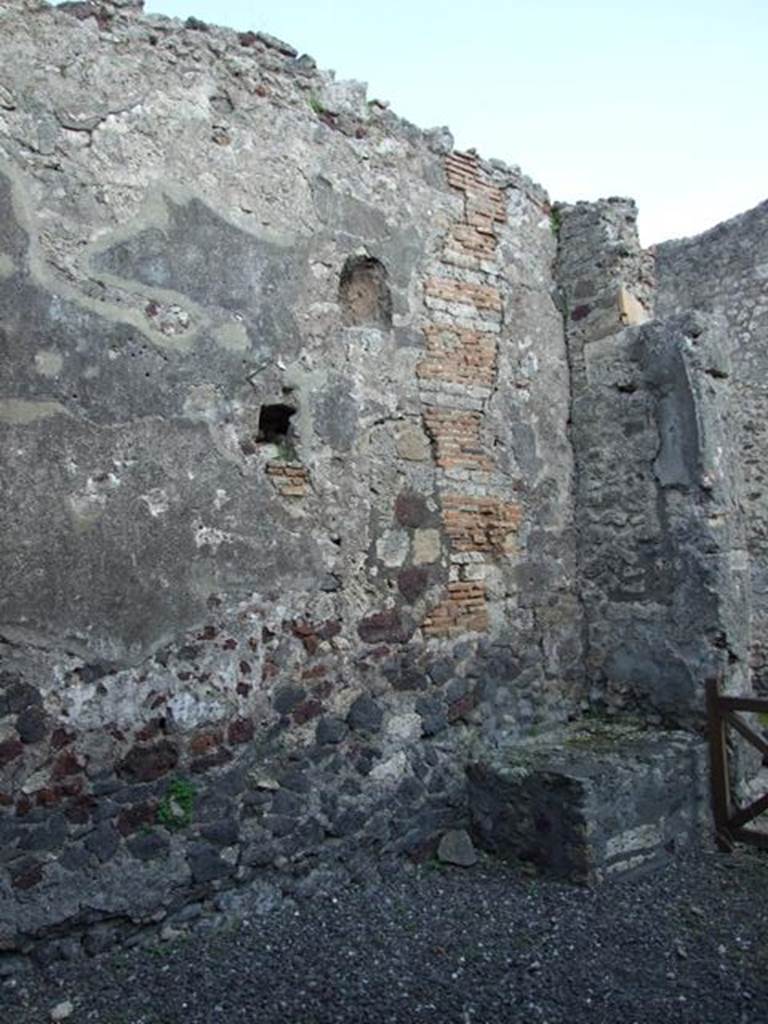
(634, 839)
(35, 782)
(7, 266)
(529, 365)
(94, 497)
(156, 501)
(630, 864)
(320, 271)
(475, 571)
(391, 770)
(63, 1010)
(190, 710)
(211, 537)
(98, 487)
(404, 728)
(264, 781)
(739, 560)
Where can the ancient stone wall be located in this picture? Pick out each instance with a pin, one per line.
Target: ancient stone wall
(336, 464)
(662, 559)
(287, 528)
(725, 271)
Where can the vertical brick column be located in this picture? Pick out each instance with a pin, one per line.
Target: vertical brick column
(456, 378)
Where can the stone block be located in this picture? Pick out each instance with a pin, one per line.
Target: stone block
(412, 583)
(31, 725)
(631, 310)
(365, 714)
(392, 548)
(433, 717)
(411, 443)
(385, 627)
(426, 546)
(456, 848)
(206, 864)
(411, 510)
(591, 804)
(330, 730)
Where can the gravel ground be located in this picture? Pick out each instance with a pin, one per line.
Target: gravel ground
(475, 946)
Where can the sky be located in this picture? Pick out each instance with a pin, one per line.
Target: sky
(661, 101)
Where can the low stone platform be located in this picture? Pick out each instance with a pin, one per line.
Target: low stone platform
(593, 802)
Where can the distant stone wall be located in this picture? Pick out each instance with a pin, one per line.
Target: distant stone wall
(288, 523)
(725, 271)
(662, 561)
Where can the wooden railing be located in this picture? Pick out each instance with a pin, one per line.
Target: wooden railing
(723, 712)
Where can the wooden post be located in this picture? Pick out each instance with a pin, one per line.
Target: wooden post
(718, 752)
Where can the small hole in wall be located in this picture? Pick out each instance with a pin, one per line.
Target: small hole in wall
(364, 294)
(274, 423)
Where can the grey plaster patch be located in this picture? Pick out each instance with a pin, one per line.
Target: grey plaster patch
(19, 237)
(397, 246)
(19, 412)
(166, 565)
(48, 362)
(233, 336)
(14, 216)
(190, 250)
(336, 413)
(359, 219)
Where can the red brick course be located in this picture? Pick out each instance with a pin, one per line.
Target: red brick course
(458, 356)
(485, 298)
(456, 436)
(484, 526)
(463, 611)
(290, 479)
(480, 524)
